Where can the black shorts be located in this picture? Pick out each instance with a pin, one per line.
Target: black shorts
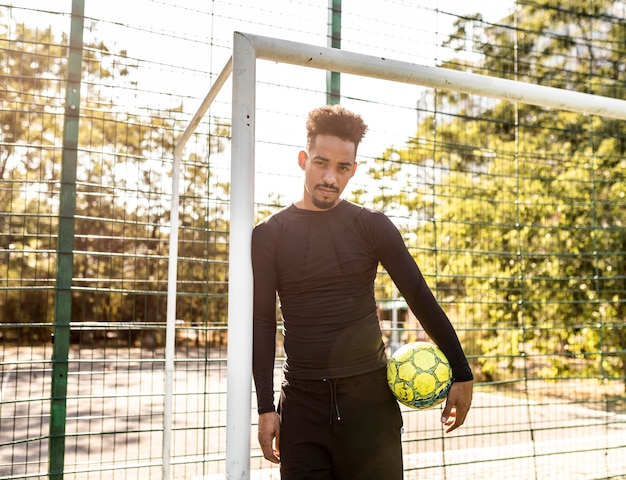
(340, 429)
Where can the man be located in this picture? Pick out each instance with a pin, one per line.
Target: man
(336, 418)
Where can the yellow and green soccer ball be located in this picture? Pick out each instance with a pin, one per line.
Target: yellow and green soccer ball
(419, 375)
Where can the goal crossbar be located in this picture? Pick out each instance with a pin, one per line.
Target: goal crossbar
(342, 61)
(247, 49)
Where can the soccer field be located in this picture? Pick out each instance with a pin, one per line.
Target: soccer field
(115, 424)
(527, 440)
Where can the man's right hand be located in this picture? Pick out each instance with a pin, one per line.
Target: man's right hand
(269, 436)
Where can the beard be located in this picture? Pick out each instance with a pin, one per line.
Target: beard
(325, 204)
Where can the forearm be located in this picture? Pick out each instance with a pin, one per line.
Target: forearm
(420, 299)
(439, 328)
(263, 366)
(264, 323)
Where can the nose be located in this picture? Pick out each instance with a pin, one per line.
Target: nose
(329, 176)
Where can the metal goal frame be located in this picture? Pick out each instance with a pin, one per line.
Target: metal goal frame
(247, 49)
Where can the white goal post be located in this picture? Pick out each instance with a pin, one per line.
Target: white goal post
(247, 48)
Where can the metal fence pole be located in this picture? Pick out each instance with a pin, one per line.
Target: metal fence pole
(333, 79)
(65, 247)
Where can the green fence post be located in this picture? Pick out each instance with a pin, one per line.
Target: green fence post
(65, 248)
(333, 80)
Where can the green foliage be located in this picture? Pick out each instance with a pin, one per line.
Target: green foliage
(519, 208)
(122, 212)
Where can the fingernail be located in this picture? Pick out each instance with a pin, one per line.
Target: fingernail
(444, 419)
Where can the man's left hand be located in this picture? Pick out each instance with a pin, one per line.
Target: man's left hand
(457, 405)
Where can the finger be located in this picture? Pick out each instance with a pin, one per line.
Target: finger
(277, 446)
(270, 454)
(265, 441)
(447, 411)
(273, 458)
(457, 418)
(461, 415)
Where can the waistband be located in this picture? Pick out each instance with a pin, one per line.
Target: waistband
(322, 381)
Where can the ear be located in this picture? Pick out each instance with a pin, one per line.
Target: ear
(302, 158)
(353, 169)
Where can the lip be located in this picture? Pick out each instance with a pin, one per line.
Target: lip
(327, 191)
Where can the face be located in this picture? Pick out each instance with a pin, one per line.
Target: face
(328, 166)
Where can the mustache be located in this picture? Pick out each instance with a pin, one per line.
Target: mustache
(327, 186)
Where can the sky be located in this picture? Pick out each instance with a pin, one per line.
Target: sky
(184, 44)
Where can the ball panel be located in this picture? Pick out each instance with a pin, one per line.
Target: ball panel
(443, 372)
(407, 370)
(424, 384)
(392, 373)
(419, 375)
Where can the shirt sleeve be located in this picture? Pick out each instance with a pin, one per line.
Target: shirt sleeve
(398, 262)
(264, 319)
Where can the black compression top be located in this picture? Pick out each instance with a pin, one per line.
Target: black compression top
(322, 264)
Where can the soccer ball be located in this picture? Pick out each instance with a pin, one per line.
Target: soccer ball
(419, 375)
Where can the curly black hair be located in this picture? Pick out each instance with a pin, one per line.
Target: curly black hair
(337, 121)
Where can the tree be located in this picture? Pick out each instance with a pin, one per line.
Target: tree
(524, 205)
(27, 226)
(122, 212)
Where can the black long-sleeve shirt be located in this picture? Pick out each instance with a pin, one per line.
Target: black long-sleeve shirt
(323, 264)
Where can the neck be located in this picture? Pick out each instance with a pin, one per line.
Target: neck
(303, 204)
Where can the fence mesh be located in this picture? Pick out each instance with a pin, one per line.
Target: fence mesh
(514, 213)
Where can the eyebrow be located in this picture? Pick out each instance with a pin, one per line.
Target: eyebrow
(324, 159)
